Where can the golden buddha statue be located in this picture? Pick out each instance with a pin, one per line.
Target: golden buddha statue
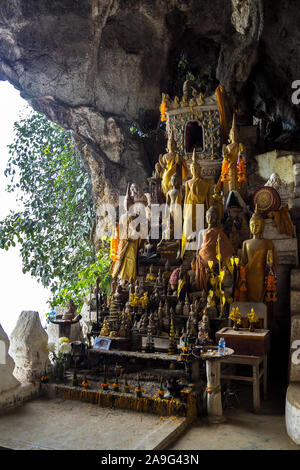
(172, 162)
(125, 265)
(232, 177)
(151, 277)
(105, 330)
(197, 191)
(256, 253)
(207, 246)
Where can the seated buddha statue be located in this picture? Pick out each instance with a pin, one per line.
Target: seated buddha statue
(207, 244)
(149, 255)
(172, 162)
(151, 277)
(255, 254)
(197, 191)
(230, 180)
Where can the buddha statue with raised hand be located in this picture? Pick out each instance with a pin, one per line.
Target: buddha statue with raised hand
(233, 175)
(172, 162)
(197, 191)
(251, 286)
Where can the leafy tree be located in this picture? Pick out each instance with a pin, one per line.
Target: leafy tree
(56, 212)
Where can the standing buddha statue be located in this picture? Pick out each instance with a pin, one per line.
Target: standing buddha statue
(172, 162)
(197, 191)
(233, 174)
(256, 252)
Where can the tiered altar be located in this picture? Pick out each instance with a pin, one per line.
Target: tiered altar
(176, 275)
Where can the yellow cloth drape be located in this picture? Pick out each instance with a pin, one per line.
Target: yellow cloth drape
(176, 164)
(225, 111)
(199, 192)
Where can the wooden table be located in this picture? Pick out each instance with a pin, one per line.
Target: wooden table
(250, 348)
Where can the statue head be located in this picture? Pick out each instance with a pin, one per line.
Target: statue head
(233, 134)
(175, 181)
(212, 217)
(195, 166)
(256, 224)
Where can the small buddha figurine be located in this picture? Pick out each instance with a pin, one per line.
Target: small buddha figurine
(123, 329)
(186, 307)
(197, 191)
(105, 330)
(184, 101)
(167, 273)
(149, 254)
(203, 330)
(193, 100)
(200, 99)
(71, 311)
(176, 103)
(230, 178)
(151, 277)
(191, 276)
(159, 281)
(251, 284)
(143, 324)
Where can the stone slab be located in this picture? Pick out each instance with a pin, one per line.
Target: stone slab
(292, 412)
(295, 350)
(57, 424)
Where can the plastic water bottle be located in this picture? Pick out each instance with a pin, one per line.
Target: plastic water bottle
(52, 314)
(221, 347)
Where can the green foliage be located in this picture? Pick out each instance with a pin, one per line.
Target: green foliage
(56, 213)
(184, 68)
(86, 278)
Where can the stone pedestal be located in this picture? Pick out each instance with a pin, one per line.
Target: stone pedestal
(292, 412)
(7, 380)
(214, 397)
(29, 347)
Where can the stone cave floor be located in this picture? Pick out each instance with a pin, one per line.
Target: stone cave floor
(58, 424)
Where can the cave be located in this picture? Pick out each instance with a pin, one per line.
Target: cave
(103, 69)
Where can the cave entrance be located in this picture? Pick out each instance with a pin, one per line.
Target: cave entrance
(194, 136)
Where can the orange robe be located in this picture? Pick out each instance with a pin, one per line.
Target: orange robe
(208, 253)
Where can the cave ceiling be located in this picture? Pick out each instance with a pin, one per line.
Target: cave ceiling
(100, 67)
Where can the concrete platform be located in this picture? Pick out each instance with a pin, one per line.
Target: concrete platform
(56, 424)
